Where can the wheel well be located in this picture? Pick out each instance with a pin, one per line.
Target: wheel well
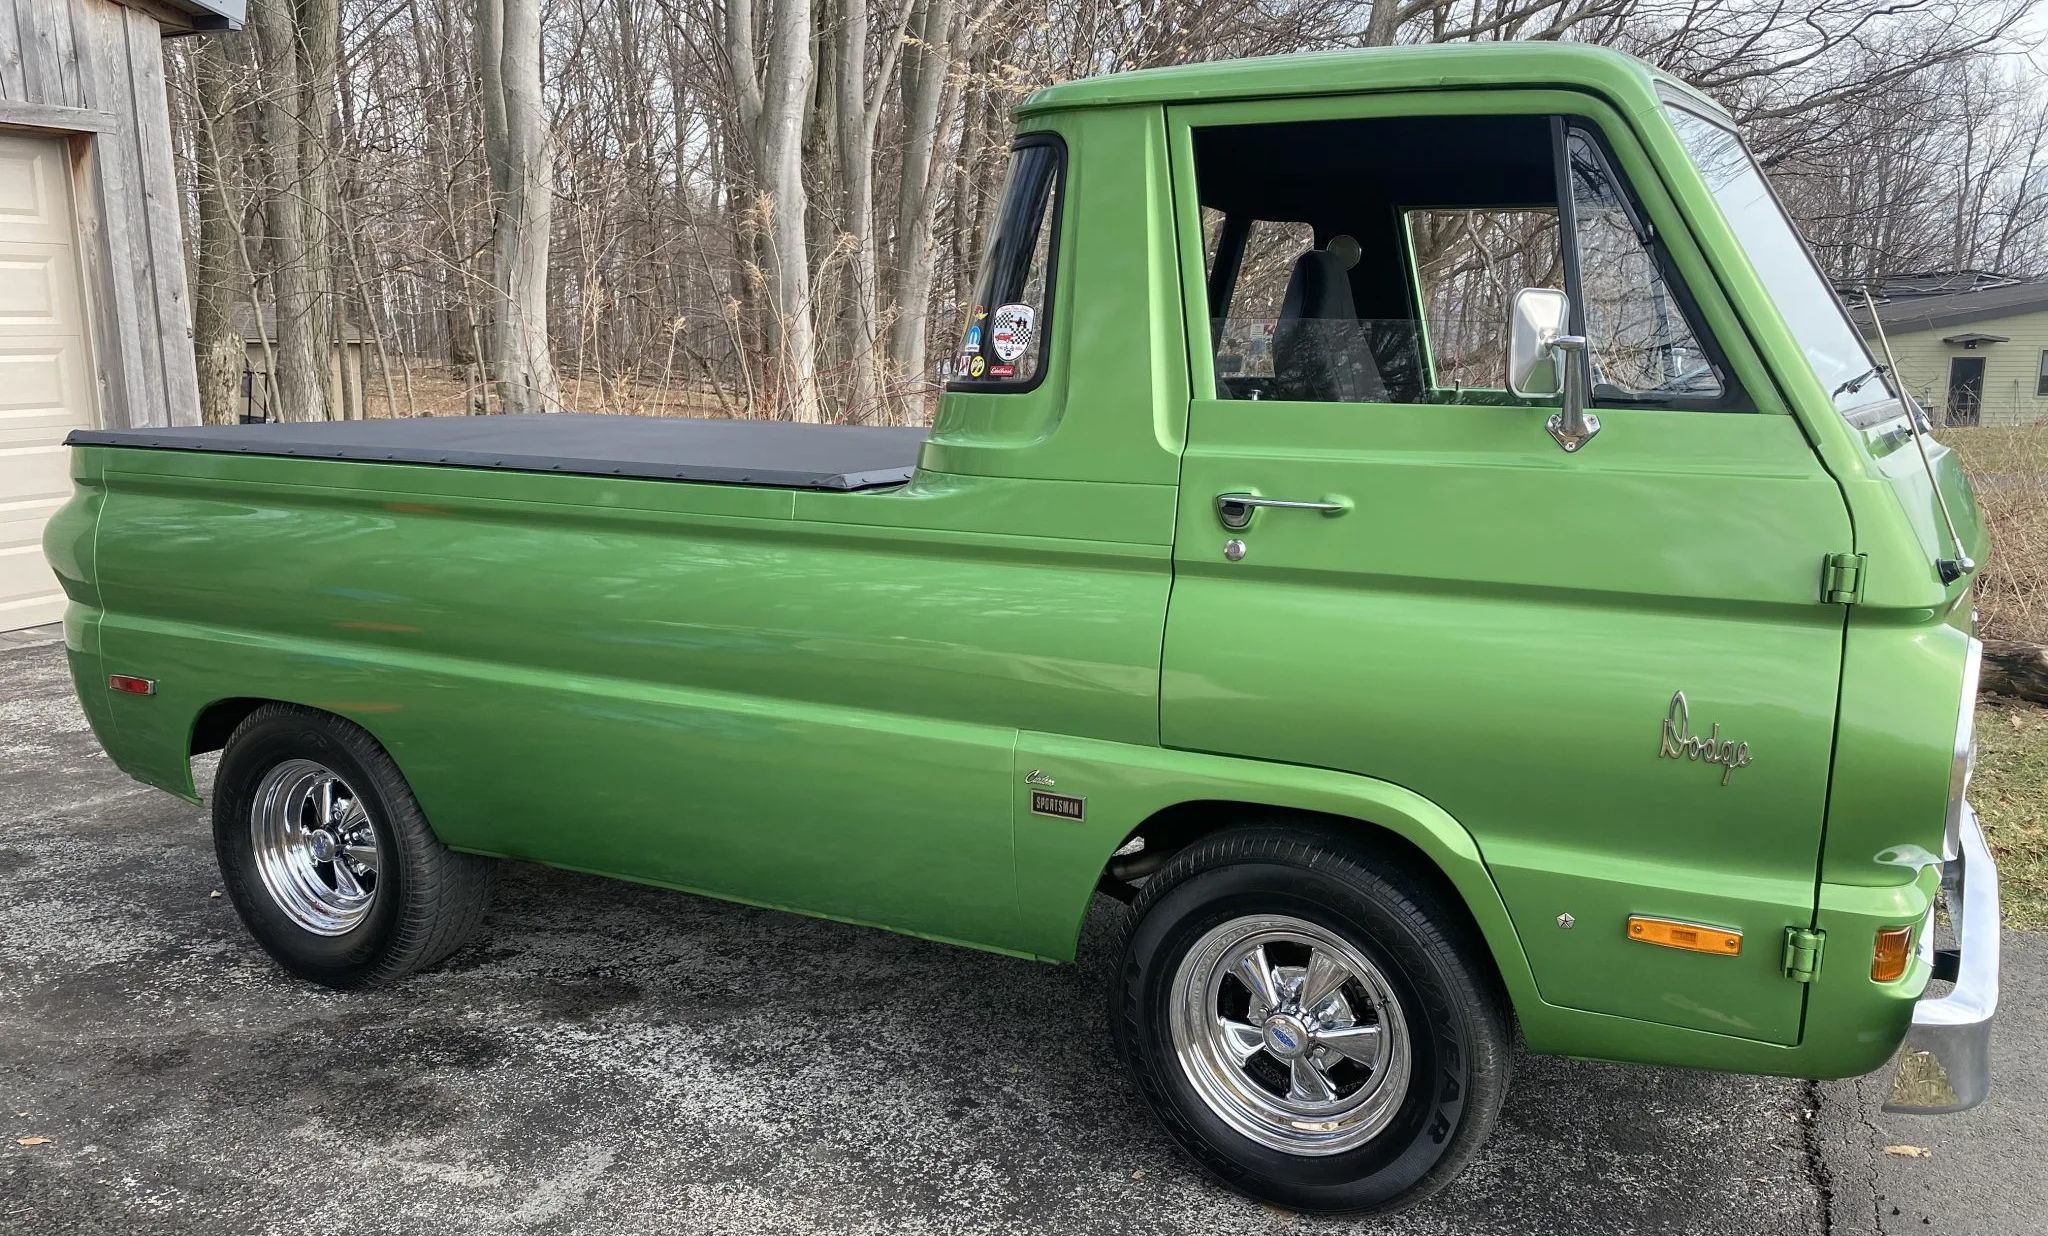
(218, 720)
(1172, 829)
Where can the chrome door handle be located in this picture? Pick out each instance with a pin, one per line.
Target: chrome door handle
(1236, 510)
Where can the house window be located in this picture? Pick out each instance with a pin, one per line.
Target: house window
(2041, 377)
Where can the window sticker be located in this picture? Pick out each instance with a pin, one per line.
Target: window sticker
(1012, 330)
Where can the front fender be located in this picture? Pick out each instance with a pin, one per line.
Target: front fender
(1060, 860)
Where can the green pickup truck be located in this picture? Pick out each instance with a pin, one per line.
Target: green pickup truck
(1416, 525)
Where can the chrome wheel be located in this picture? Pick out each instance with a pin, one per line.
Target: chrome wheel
(1290, 1035)
(315, 847)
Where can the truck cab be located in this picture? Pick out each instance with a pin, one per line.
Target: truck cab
(1427, 499)
(1662, 667)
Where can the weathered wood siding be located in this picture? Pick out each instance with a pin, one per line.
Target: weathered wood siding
(94, 69)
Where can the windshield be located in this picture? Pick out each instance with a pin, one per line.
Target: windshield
(1832, 346)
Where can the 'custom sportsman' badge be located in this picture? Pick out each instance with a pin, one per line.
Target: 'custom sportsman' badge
(1064, 806)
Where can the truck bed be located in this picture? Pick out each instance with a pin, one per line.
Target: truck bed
(777, 454)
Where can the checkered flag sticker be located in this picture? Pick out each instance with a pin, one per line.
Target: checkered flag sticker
(1011, 331)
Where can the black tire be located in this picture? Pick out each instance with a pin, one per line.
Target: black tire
(1456, 1018)
(427, 899)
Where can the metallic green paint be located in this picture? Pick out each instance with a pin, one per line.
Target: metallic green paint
(830, 702)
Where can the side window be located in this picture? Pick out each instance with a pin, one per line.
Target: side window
(1003, 341)
(1638, 341)
(1373, 261)
(1469, 263)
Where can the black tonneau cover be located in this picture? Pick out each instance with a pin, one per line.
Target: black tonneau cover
(771, 453)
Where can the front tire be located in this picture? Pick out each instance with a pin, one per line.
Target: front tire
(1312, 1023)
(327, 857)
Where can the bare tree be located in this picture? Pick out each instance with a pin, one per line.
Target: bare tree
(928, 81)
(300, 378)
(771, 92)
(518, 141)
(775, 207)
(221, 272)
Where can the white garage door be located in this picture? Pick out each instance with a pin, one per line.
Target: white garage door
(45, 391)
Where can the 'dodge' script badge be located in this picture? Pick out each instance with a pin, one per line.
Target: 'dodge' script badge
(1681, 744)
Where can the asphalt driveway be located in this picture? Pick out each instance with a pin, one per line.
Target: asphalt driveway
(610, 1058)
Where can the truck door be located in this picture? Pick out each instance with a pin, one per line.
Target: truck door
(1613, 665)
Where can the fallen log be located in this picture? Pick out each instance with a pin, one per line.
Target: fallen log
(2016, 668)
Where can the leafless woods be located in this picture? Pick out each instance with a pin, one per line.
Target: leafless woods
(771, 207)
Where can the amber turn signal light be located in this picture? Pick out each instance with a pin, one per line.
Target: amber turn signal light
(1689, 936)
(1894, 950)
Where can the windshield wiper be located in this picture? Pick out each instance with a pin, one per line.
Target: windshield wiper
(1858, 382)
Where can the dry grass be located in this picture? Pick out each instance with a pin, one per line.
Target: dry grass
(2008, 466)
(435, 392)
(2010, 792)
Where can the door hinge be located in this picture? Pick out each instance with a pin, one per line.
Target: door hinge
(1841, 578)
(1802, 953)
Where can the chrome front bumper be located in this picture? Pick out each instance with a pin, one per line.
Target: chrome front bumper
(1946, 1063)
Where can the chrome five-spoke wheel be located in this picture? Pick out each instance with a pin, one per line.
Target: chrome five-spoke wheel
(1290, 1035)
(315, 847)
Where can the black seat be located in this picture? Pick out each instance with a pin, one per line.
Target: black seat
(1320, 351)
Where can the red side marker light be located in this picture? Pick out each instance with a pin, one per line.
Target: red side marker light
(130, 685)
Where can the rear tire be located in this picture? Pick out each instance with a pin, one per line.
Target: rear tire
(327, 857)
(1367, 1066)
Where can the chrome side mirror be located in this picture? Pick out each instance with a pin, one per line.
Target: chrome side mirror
(1544, 360)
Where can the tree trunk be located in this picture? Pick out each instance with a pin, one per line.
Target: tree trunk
(319, 24)
(792, 330)
(856, 149)
(2016, 669)
(771, 113)
(1382, 23)
(218, 285)
(445, 145)
(520, 146)
(924, 90)
(299, 382)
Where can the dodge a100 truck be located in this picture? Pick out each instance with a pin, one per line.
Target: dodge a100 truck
(1415, 524)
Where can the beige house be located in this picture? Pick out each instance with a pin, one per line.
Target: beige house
(1972, 347)
(94, 328)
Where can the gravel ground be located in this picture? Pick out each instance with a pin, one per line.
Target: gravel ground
(611, 1058)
